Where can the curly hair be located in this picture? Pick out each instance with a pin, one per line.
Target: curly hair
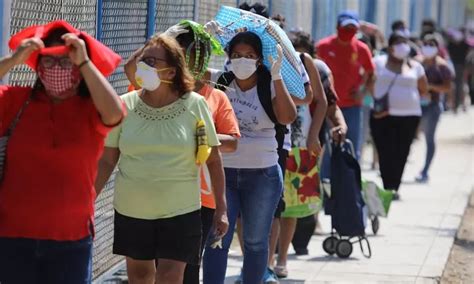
(183, 81)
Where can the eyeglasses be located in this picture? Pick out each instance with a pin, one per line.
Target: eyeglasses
(51, 61)
(151, 61)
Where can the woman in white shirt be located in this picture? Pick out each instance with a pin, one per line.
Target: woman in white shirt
(253, 177)
(398, 88)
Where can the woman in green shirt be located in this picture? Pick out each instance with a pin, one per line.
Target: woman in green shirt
(157, 197)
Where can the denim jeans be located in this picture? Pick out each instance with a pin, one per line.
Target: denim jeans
(353, 117)
(45, 262)
(254, 193)
(354, 120)
(429, 122)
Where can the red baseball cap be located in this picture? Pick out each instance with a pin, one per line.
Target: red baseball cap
(104, 58)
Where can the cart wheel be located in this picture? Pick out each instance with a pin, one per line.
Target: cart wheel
(330, 244)
(344, 248)
(375, 225)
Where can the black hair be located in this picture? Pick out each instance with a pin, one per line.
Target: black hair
(432, 38)
(429, 22)
(257, 8)
(302, 40)
(396, 25)
(53, 37)
(280, 19)
(248, 38)
(394, 37)
(369, 41)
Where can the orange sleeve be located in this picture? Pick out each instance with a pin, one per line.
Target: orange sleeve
(225, 121)
(130, 88)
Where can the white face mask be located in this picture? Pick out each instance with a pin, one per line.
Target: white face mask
(401, 50)
(243, 68)
(147, 77)
(429, 51)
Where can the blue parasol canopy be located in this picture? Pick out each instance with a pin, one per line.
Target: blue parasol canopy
(232, 21)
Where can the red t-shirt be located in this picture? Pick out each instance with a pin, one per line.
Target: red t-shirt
(347, 62)
(51, 166)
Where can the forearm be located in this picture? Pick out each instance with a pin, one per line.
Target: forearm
(216, 171)
(370, 82)
(285, 109)
(442, 88)
(105, 170)
(228, 143)
(6, 64)
(105, 99)
(319, 114)
(336, 117)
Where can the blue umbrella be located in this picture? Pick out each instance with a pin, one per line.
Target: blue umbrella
(232, 21)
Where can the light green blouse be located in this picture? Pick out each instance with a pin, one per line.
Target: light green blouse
(158, 175)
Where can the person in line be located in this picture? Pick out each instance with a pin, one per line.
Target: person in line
(283, 150)
(304, 134)
(253, 176)
(157, 201)
(294, 230)
(47, 193)
(400, 84)
(197, 46)
(458, 48)
(439, 78)
(346, 57)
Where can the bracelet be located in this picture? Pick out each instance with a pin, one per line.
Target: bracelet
(83, 63)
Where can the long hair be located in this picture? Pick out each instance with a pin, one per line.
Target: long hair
(54, 37)
(183, 81)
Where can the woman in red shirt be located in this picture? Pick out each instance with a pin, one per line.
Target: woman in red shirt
(47, 192)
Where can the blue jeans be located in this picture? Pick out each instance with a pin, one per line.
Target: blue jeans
(354, 120)
(45, 262)
(254, 193)
(429, 122)
(353, 117)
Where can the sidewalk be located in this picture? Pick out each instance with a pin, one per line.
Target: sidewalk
(414, 242)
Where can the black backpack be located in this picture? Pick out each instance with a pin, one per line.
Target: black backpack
(265, 96)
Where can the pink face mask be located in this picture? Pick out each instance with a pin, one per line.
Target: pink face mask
(59, 82)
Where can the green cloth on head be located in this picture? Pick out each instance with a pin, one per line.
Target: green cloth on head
(199, 31)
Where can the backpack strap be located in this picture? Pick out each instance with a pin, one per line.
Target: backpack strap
(264, 92)
(224, 81)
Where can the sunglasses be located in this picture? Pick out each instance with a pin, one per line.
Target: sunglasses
(51, 61)
(151, 61)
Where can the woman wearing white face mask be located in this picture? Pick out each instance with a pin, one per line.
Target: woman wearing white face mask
(399, 86)
(439, 78)
(253, 177)
(157, 198)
